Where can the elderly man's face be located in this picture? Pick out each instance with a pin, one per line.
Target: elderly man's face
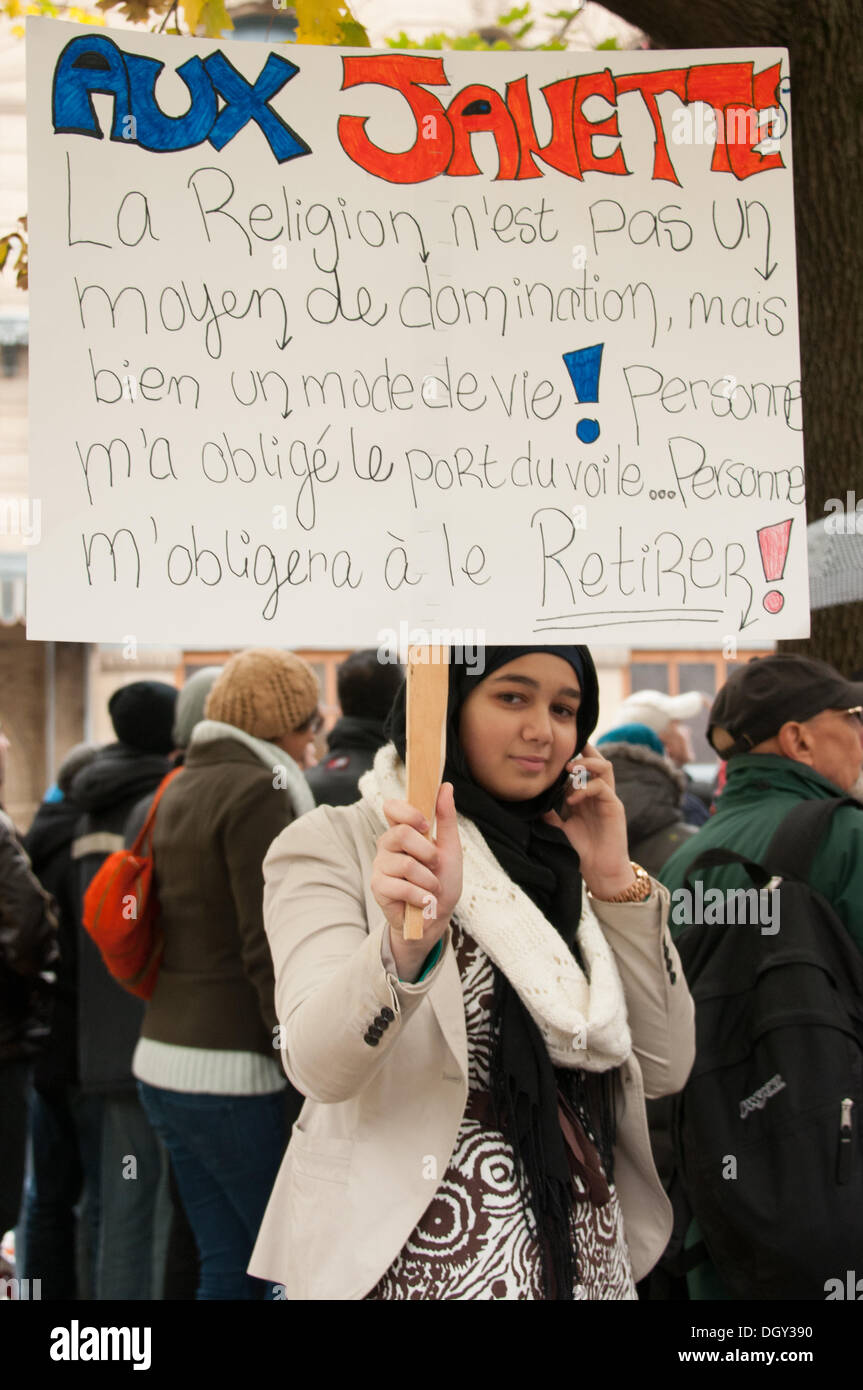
(678, 743)
(837, 749)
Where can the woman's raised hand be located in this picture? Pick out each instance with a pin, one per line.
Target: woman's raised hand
(594, 822)
(408, 867)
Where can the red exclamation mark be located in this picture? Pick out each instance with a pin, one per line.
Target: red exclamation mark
(773, 544)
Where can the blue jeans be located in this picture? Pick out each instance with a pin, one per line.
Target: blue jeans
(226, 1152)
(135, 1209)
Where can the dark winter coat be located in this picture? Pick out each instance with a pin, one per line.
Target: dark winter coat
(28, 953)
(109, 1017)
(49, 845)
(351, 744)
(651, 790)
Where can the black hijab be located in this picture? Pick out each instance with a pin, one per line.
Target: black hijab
(541, 860)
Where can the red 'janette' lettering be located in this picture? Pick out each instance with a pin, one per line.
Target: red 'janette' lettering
(596, 84)
(650, 84)
(431, 151)
(443, 136)
(496, 118)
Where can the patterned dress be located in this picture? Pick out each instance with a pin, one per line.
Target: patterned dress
(474, 1239)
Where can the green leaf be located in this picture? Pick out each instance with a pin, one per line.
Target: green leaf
(608, 43)
(353, 35)
(521, 12)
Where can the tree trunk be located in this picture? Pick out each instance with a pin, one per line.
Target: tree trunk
(822, 38)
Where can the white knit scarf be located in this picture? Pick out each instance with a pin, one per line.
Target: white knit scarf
(298, 789)
(583, 1023)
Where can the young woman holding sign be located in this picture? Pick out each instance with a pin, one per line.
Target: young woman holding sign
(475, 1123)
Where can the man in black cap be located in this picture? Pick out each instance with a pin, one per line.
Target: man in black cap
(792, 730)
(133, 1165)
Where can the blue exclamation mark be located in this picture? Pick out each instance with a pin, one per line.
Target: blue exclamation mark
(583, 366)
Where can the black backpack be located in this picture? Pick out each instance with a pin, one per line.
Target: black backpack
(767, 1132)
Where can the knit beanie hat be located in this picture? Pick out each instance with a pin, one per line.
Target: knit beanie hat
(633, 733)
(265, 692)
(191, 701)
(143, 715)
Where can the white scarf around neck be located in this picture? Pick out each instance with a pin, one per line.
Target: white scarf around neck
(584, 1023)
(298, 789)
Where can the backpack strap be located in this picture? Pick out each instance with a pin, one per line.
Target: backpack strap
(147, 827)
(791, 850)
(710, 858)
(796, 841)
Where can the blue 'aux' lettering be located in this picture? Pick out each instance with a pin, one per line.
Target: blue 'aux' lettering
(94, 63)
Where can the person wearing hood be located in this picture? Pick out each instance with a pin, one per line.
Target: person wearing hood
(366, 689)
(132, 1226)
(206, 1064)
(64, 1123)
(668, 716)
(474, 1124)
(188, 711)
(652, 791)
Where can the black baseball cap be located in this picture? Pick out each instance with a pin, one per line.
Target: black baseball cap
(758, 698)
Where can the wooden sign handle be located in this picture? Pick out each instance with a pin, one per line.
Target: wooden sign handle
(428, 687)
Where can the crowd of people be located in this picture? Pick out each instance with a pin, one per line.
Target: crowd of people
(259, 1128)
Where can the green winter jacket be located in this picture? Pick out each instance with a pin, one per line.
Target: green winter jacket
(760, 791)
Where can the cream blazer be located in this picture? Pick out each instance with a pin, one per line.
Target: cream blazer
(379, 1125)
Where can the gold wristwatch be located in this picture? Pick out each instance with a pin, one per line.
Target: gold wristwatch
(637, 892)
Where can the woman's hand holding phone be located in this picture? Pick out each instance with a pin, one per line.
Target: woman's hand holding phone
(594, 821)
(408, 868)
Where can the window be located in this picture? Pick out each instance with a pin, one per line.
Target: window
(675, 673)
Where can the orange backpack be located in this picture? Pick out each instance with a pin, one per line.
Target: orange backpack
(121, 910)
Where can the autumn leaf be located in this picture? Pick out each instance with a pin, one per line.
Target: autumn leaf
(329, 22)
(192, 13)
(20, 264)
(137, 11)
(215, 19)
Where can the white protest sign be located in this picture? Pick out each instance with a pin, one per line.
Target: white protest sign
(327, 342)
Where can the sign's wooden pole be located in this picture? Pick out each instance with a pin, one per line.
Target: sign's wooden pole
(428, 685)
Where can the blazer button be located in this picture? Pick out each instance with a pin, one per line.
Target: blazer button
(673, 977)
(371, 1040)
(381, 1022)
(388, 1014)
(374, 1031)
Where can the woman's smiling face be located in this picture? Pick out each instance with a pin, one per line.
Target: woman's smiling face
(518, 727)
